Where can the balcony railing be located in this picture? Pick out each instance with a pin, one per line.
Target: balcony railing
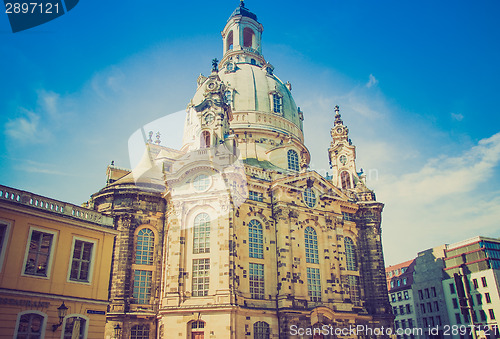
(54, 206)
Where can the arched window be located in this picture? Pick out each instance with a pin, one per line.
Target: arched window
(311, 245)
(76, 325)
(345, 179)
(255, 239)
(145, 247)
(293, 160)
(261, 330)
(248, 35)
(229, 41)
(201, 233)
(30, 324)
(350, 254)
(205, 139)
(139, 332)
(197, 329)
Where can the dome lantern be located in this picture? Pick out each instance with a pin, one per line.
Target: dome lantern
(242, 36)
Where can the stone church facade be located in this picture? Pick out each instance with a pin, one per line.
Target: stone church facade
(232, 236)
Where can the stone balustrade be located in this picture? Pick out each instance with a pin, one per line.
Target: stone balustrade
(46, 204)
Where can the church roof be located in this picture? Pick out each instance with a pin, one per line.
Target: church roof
(261, 163)
(146, 175)
(241, 10)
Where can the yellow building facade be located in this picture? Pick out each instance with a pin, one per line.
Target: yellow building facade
(53, 255)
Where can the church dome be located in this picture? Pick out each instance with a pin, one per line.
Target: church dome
(255, 94)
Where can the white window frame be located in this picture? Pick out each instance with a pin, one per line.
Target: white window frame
(206, 278)
(92, 260)
(350, 254)
(51, 255)
(87, 320)
(8, 225)
(311, 249)
(200, 237)
(292, 161)
(271, 98)
(136, 240)
(136, 298)
(44, 324)
(255, 239)
(207, 179)
(258, 292)
(314, 284)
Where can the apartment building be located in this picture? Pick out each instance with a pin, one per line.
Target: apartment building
(472, 286)
(399, 285)
(55, 261)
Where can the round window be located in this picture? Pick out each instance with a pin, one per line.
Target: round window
(201, 182)
(209, 118)
(309, 197)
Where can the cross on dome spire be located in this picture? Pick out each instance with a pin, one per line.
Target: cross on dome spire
(215, 63)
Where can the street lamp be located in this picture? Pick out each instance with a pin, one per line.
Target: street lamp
(118, 331)
(61, 312)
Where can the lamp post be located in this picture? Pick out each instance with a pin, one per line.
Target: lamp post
(61, 313)
(118, 331)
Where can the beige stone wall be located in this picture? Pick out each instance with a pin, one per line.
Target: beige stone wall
(284, 217)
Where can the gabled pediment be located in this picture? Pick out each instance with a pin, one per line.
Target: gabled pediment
(311, 179)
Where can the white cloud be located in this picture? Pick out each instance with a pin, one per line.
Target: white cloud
(457, 116)
(442, 202)
(372, 81)
(444, 176)
(48, 101)
(27, 128)
(34, 126)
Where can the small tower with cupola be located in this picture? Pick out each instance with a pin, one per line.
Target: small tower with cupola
(342, 155)
(242, 36)
(213, 113)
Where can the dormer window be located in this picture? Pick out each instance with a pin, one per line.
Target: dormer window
(277, 103)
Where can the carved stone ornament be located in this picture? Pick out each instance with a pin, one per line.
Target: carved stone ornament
(201, 79)
(293, 214)
(126, 222)
(224, 203)
(177, 208)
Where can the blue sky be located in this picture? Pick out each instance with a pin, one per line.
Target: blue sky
(417, 83)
